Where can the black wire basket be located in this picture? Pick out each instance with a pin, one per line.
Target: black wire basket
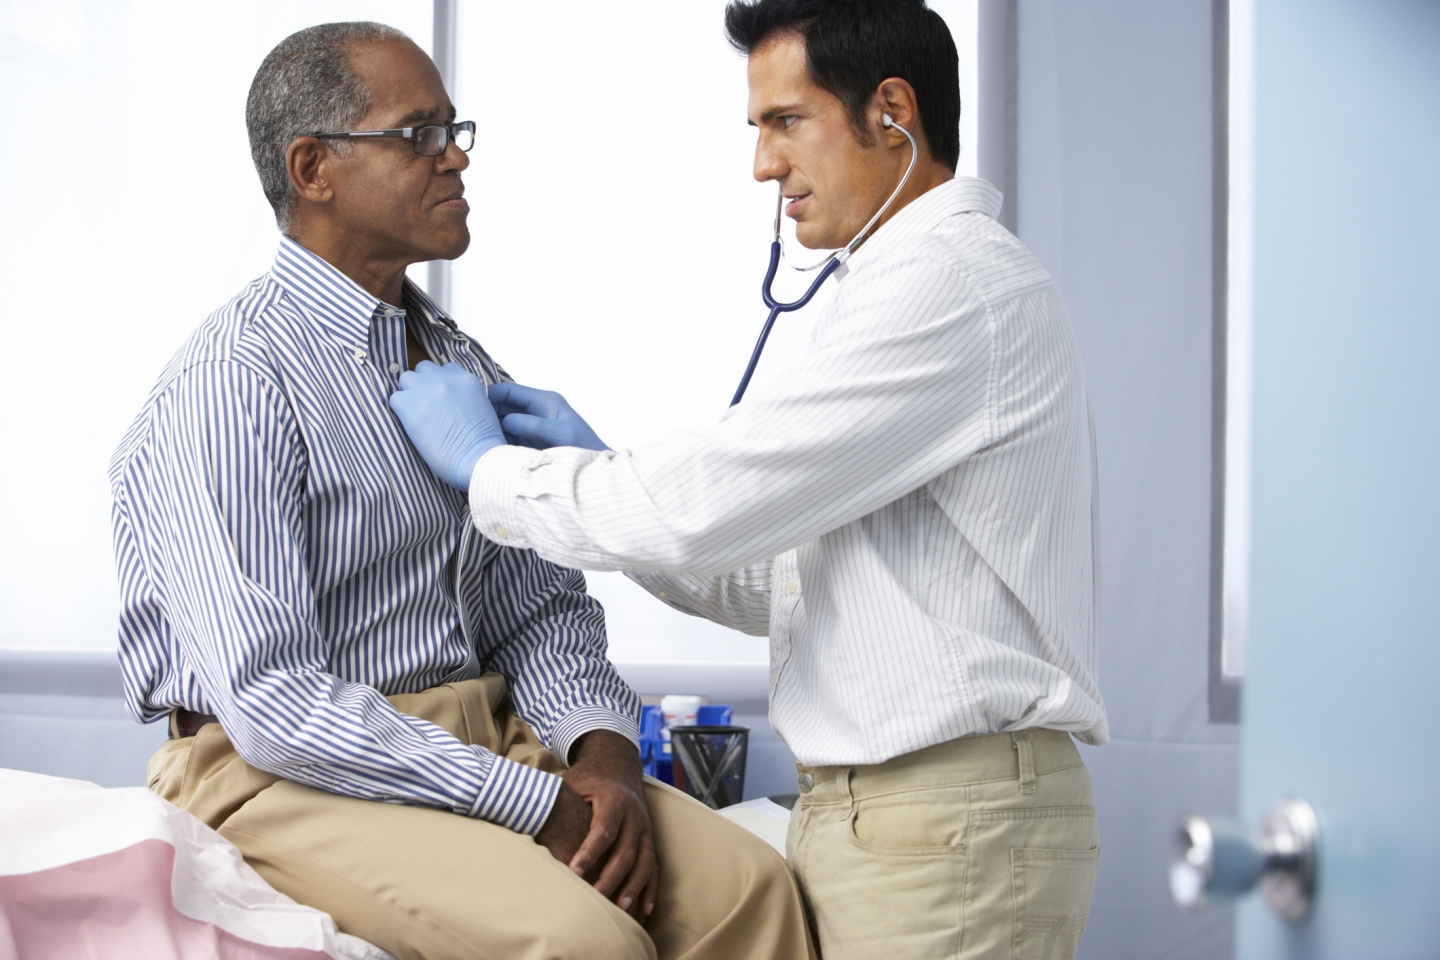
(710, 762)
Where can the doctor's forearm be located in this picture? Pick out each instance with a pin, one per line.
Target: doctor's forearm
(577, 512)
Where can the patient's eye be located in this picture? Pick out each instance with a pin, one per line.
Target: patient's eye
(787, 120)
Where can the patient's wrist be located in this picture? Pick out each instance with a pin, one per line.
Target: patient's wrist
(607, 755)
(602, 742)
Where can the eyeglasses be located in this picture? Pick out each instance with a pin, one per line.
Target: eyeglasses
(428, 141)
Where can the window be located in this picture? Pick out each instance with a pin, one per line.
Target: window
(1234, 376)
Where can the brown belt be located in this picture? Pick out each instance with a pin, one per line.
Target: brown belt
(187, 723)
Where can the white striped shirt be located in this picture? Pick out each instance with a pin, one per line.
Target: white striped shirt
(286, 559)
(909, 512)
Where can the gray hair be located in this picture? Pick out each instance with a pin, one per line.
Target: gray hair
(305, 86)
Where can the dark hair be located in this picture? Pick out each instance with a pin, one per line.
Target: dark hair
(852, 45)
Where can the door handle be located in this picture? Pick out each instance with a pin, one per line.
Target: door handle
(1220, 861)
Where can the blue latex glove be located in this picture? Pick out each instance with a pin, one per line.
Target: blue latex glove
(448, 417)
(541, 418)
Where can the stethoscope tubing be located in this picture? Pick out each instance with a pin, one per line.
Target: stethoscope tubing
(832, 263)
(777, 308)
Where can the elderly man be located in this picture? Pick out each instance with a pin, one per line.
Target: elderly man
(395, 720)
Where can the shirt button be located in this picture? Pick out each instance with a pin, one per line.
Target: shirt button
(774, 677)
(792, 586)
(394, 367)
(663, 595)
(389, 311)
(807, 783)
(502, 533)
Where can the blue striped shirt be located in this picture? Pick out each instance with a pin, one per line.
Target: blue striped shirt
(286, 560)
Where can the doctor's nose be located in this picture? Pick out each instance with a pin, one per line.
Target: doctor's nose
(769, 164)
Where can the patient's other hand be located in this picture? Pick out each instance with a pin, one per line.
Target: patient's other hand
(621, 839)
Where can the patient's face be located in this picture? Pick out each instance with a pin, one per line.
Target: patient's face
(403, 205)
(833, 182)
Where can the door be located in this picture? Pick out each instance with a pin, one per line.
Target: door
(1343, 678)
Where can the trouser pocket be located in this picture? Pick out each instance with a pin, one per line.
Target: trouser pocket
(1052, 890)
(885, 878)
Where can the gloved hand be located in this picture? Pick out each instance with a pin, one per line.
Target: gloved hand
(541, 418)
(448, 417)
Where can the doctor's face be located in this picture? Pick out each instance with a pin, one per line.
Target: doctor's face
(833, 183)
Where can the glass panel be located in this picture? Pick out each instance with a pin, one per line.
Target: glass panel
(100, 272)
(1239, 317)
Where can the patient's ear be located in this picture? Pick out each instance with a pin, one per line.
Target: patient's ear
(307, 162)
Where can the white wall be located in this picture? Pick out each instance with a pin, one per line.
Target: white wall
(619, 243)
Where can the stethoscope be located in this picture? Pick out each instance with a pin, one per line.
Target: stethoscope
(826, 267)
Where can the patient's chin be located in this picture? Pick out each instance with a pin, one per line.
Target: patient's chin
(450, 244)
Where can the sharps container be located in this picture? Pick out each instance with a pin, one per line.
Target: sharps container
(710, 762)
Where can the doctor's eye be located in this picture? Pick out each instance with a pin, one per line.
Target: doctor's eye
(788, 120)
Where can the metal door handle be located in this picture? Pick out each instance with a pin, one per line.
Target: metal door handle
(1220, 861)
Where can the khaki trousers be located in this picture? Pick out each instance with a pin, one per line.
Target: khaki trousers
(982, 847)
(425, 883)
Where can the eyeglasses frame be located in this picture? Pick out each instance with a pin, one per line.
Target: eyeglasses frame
(408, 133)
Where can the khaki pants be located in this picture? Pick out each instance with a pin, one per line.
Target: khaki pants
(983, 847)
(424, 883)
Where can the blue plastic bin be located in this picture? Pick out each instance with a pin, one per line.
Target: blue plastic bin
(655, 749)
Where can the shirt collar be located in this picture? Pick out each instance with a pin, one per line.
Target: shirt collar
(335, 301)
(418, 302)
(338, 303)
(928, 211)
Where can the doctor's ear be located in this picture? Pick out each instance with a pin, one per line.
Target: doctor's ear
(895, 98)
(305, 162)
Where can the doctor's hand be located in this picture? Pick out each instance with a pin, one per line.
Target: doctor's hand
(448, 417)
(541, 418)
(617, 853)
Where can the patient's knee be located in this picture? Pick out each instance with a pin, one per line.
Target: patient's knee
(584, 936)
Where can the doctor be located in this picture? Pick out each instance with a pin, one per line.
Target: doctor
(908, 512)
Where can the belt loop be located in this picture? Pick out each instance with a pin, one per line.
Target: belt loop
(842, 781)
(1026, 751)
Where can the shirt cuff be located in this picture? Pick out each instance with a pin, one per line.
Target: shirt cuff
(515, 796)
(493, 493)
(579, 722)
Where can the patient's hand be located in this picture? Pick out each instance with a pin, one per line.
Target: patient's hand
(620, 842)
